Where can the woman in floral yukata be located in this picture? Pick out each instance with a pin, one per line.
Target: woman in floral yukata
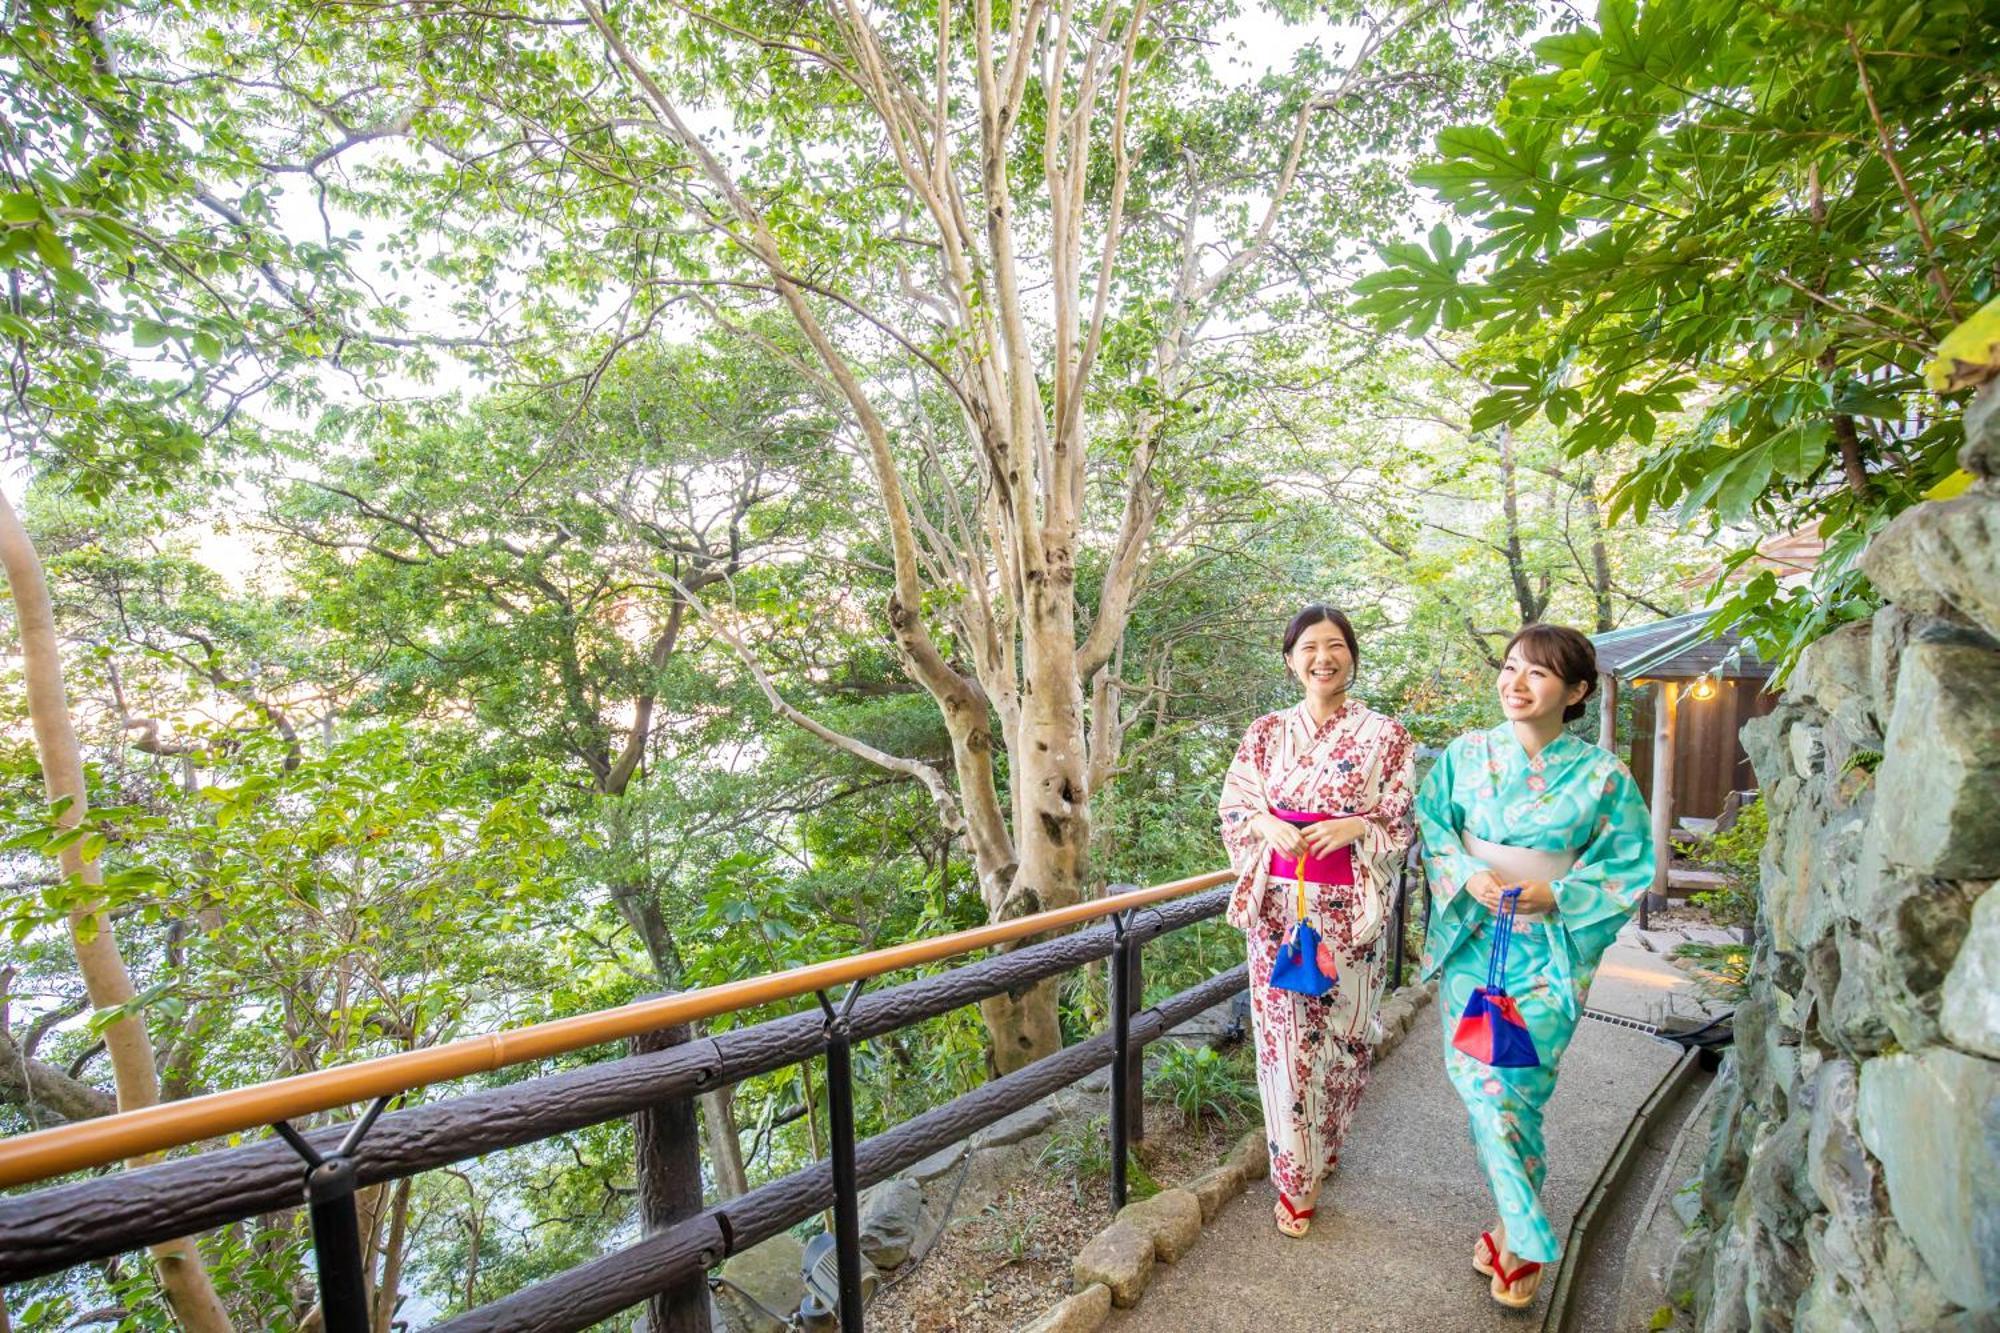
(1333, 756)
(1527, 805)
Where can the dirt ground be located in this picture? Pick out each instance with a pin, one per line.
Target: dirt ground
(1005, 1267)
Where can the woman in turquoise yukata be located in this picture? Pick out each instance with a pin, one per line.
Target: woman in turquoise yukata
(1527, 805)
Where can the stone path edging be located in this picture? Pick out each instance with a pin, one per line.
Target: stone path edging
(1116, 1266)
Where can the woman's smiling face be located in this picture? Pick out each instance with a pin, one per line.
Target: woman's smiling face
(1322, 661)
(1531, 692)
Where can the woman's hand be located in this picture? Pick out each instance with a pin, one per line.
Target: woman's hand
(1330, 835)
(1536, 896)
(1280, 834)
(1485, 889)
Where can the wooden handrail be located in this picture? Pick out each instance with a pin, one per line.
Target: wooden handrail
(150, 1130)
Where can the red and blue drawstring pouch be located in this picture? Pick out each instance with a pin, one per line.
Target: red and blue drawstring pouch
(1491, 1030)
(1304, 964)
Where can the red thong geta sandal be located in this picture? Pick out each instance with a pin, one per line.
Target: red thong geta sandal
(1485, 1264)
(1503, 1282)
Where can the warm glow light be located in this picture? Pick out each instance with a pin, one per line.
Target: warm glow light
(1704, 688)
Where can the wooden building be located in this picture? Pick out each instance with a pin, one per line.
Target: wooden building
(1690, 695)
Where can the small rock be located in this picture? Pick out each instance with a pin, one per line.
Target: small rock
(1833, 671)
(1890, 562)
(1081, 1313)
(1938, 790)
(1171, 1217)
(1933, 1120)
(890, 1216)
(938, 1163)
(773, 1276)
(1807, 749)
(1958, 555)
(1216, 1188)
(1841, 1171)
(1251, 1157)
(1022, 1124)
(1120, 1257)
(989, 1172)
(1970, 1014)
(1981, 454)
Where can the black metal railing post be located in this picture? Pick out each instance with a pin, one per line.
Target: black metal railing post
(1135, 1000)
(1121, 1051)
(846, 1183)
(1396, 928)
(336, 1225)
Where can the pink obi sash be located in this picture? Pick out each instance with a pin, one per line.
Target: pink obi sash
(1335, 869)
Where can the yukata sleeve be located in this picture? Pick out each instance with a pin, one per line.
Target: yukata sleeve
(1242, 801)
(1455, 914)
(1386, 829)
(1602, 889)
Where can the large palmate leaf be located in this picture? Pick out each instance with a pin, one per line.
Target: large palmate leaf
(1421, 289)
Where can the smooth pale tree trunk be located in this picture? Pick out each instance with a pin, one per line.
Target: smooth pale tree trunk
(1050, 775)
(182, 1275)
(725, 1147)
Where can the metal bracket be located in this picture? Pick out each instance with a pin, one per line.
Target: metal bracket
(330, 1185)
(837, 1020)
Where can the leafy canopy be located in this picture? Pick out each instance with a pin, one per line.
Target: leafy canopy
(1729, 234)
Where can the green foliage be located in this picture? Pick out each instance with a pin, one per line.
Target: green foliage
(1729, 235)
(1079, 1149)
(1201, 1083)
(1721, 971)
(1737, 852)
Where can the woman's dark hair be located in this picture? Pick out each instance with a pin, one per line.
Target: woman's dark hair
(1319, 613)
(1566, 652)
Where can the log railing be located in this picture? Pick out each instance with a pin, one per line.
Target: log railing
(59, 1226)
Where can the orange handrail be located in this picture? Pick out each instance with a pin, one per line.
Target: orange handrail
(154, 1129)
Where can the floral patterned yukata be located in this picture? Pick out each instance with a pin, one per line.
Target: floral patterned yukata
(1571, 799)
(1313, 1055)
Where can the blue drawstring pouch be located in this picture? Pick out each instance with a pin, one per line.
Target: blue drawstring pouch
(1304, 965)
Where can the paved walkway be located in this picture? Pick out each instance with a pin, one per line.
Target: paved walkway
(1391, 1248)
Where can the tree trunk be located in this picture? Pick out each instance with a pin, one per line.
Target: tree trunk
(393, 1250)
(1049, 767)
(725, 1143)
(105, 977)
(1600, 556)
(1525, 600)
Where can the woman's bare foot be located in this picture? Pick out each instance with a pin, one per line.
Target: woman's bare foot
(1516, 1281)
(1294, 1218)
(1488, 1249)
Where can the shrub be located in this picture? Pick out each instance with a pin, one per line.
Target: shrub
(1198, 1083)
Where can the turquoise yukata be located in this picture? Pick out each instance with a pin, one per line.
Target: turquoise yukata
(1572, 799)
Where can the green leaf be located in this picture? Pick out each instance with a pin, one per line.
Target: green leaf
(54, 252)
(20, 206)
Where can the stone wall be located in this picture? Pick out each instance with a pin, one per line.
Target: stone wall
(1853, 1177)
